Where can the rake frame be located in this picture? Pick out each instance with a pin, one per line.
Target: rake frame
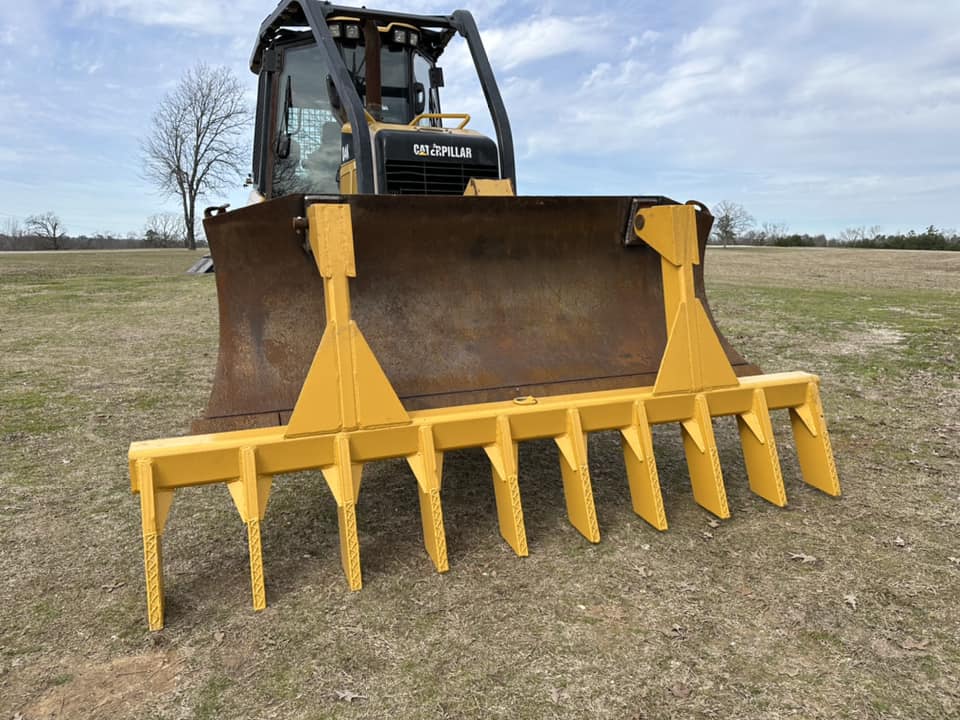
(348, 415)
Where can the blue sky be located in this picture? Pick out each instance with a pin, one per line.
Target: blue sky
(819, 114)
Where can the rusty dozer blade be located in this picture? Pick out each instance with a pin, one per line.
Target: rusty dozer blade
(462, 300)
(348, 411)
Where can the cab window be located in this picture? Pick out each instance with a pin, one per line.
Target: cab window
(312, 154)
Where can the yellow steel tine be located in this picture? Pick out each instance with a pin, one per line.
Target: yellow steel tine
(641, 466)
(503, 457)
(703, 460)
(154, 508)
(250, 493)
(427, 466)
(343, 478)
(576, 478)
(813, 443)
(760, 451)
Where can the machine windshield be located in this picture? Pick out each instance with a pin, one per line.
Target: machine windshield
(395, 79)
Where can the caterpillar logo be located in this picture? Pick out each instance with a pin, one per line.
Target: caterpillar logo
(452, 152)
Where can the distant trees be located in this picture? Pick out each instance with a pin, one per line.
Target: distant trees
(46, 231)
(859, 234)
(733, 224)
(930, 239)
(197, 142)
(12, 228)
(164, 230)
(730, 220)
(772, 232)
(46, 225)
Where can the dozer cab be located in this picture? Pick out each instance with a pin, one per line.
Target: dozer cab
(387, 295)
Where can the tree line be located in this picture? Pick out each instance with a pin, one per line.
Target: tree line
(733, 225)
(46, 231)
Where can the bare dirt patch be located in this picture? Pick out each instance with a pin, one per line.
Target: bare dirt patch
(868, 339)
(122, 687)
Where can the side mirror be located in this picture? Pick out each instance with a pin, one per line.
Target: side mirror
(333, 95)
(436, 77)
(283, 146)
(419, 98)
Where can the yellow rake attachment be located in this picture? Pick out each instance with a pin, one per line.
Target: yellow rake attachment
(348, 415)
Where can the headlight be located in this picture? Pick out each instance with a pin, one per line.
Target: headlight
(353, 32)
(400, 36)
(334, 30)
(414, 38)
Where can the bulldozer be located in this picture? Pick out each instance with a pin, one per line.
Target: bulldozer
(387, 294)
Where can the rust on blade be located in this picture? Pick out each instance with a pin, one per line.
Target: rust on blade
(462, 300)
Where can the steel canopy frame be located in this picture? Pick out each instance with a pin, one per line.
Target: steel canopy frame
(314, 14)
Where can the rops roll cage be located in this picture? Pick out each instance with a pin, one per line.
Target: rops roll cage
(314, 14)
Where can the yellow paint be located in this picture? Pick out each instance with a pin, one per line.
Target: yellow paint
(488, 188)
(348, 415)
(348, 178)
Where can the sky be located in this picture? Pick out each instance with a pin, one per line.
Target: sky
(819, 115)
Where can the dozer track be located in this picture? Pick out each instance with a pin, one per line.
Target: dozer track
(439, 324)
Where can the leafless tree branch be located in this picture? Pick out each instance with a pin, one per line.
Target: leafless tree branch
(198, 140)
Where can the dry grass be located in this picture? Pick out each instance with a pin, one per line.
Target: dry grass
(99, 349)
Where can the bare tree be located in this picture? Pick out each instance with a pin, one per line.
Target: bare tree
(46, 225)
(853, 235)
(730, 221)
(772, 232)
(164, 230)
(197, 143)
(859, 234)
(12, 228)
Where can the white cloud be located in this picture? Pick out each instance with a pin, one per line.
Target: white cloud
(706, 39)
(540, 38)
(212, 17)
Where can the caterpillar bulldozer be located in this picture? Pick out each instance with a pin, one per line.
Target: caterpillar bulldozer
(388, 295)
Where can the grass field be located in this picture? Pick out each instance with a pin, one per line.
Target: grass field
(99, 349)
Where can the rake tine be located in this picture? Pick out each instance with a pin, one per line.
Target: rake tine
(154, 508)
(503, 455)
(576, 478)
(760, 451)
(813, 442)
(427, 466)
(250, 493)
(641, 464)
(703, 460)
(343, 478)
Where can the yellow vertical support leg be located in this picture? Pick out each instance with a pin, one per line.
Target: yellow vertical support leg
(154, 508)
(703, 460)
(760, 451)
(250, 493)
(427, 466)
(343, 478)
(576, 478)
(503, 457)
(813, 443)
(641, 466)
